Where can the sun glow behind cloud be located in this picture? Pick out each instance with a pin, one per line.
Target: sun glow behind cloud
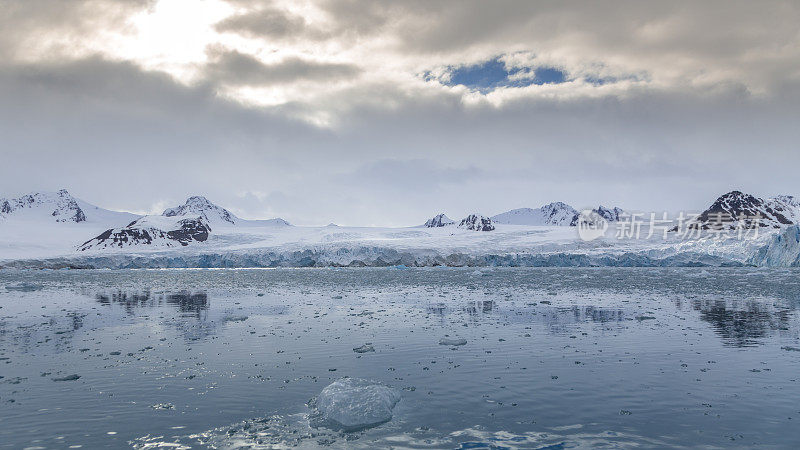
(297, 97)
(187, 39)
(172, 36)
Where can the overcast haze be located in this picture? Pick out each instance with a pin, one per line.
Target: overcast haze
(378, 113)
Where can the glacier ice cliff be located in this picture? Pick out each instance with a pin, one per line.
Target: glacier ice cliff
(782, 250)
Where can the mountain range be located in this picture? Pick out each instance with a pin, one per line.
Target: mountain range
(47, 225)
(731, 208)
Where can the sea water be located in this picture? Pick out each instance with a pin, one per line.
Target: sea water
(419, 358)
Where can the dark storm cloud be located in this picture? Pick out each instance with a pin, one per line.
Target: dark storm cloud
(234, 68)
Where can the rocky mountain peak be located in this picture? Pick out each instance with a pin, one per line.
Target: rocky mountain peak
(556, 213)
(59, 205)
(609, 214)
(201, 206)
(440, 220)
(476, 222)
(732, 207)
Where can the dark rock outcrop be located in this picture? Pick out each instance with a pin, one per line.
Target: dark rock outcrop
(730, 209)
(185, 232)
(476, 222)
(609, 214)
(440, 220)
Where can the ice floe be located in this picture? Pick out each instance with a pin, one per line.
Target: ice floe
(352, 404)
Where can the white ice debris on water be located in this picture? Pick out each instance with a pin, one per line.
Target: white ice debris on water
(352, 404)
(452, 341)
(364, 348)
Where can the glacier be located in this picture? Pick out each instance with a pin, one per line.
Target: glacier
(508, 245)
(35, 237)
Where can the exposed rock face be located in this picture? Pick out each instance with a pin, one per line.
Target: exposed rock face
(476, 222)
(201, 206)
(788, 206)
(60, 205)
(735, 206)
(609, 214)
(190, 230)
(142, 232)
(556, 213)
(440, 220)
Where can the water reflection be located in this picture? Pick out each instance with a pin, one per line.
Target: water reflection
(558, 319)
(186, 302)
(744, 324)
(482, 307)
(738, 323)
(55, 330)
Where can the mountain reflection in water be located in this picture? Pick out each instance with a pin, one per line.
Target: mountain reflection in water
(185, 302)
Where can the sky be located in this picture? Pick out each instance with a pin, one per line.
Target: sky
(364, 112)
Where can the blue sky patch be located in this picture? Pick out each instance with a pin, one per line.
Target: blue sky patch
(492, 74)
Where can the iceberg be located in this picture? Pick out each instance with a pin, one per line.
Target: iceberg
(353, 404)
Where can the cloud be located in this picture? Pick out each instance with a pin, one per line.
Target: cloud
(661, 105)
(230, 67)
(52, 28)
(269, 22)
(403, 174)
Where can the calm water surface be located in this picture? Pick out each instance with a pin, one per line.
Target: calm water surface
(555, 358)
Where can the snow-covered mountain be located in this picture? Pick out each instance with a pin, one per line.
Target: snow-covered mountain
(179, 226)
(46, 230)
(56, 206)
(201, 206)
(155, 231)
(440, 220)
(556, 213)
(553, 214)
(215, 215)
(610, 214)
(476, 222)
(42, 223)
(276, 222)
(788, 206)
(735, 206)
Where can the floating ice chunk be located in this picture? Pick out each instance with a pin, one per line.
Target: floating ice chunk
(72, 377)
(452, 341)
(234, 318)
(163, 406)
(23, 287)
(364, 348)
(353, 404)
